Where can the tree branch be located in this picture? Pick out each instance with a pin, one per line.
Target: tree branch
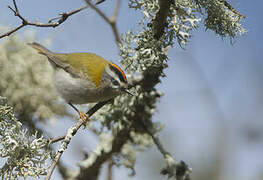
(91, 171)
(89, 113)
(233, 9)
(59, 20)
(99, 1)
(111, 21)
(63, 170)
(110, 167)
(160, 21)
(56, 139)
(71, 132)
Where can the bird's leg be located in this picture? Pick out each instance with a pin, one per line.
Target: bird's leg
(82, 115)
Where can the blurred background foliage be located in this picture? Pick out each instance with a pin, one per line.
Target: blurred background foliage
(26, 80)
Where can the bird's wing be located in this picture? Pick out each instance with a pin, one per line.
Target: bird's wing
(61, 61)
(87, 65)
(56, 60)
(76, 64)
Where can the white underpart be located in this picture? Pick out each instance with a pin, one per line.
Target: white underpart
(75, 90)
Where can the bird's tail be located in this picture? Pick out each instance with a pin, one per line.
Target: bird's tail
(41, 49)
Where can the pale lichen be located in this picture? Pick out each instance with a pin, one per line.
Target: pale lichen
(23, 154)
(143, 53)
(221, 19)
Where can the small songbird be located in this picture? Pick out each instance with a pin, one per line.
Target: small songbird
(82, 78)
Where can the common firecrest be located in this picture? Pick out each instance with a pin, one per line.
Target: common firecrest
(82, 78)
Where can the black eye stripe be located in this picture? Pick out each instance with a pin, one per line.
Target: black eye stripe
(115, 82)
(120, 74)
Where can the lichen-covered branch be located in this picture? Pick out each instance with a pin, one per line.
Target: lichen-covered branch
(90, 167)
(221, 18)
(70, 133)
(233, 9)
(64, 144)
(160, 21)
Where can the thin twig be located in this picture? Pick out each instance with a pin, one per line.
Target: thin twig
(95, 108)
(110, 166)
(116, 11)
(64, 144)
(12, 31)
(157, 142)
(111, 21)
(14, 2)
(233, 9)
(63, 170)
(180, 170)
(54, 140)
(99, 1)
(62, 18)
(71, 132)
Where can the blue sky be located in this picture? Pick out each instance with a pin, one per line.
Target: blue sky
(213, 90)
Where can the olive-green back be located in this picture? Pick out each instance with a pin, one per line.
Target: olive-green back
(84, 64)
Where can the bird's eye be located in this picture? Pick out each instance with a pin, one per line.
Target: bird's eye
(115, 83)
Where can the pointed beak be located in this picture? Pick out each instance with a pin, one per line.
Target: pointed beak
(124, 88)
(128, 92)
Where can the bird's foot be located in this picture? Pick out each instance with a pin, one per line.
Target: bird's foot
(84, 118)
